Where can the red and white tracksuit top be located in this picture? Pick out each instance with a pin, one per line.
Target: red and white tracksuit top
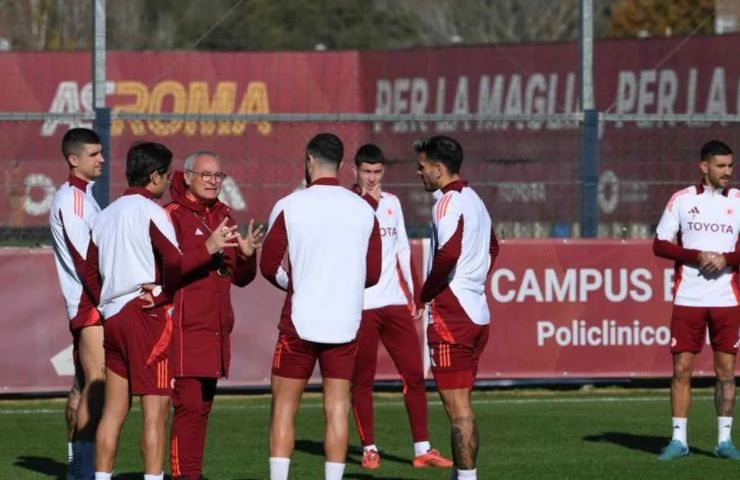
(73, 211)
(136, 245)
(333, 244)
(696, 219)
(465, 248)
(396, 284)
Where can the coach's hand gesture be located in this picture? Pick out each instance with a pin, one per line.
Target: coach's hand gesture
(222, 237)
(252, 241)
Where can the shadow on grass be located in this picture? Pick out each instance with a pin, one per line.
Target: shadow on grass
(43, 465)
(58, 471)
(354, 454)
(140, 475)
(646, 443)
(367, 476)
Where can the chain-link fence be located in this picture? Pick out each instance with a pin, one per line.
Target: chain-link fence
(514, 108)
(644, 162)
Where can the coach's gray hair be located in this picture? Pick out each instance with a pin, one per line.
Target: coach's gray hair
(190, 159)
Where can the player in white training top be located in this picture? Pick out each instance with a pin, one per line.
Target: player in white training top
(699, 231)
(390, 314)
(332, 242)
(73, 212)
(464, 249)
(136, 249)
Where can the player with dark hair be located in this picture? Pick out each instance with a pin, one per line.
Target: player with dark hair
(699, 231)
(141, 268)
(465, 248)
(73, 212)
(332, 241)
(389, 314)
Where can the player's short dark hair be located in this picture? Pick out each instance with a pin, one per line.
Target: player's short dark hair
(369, 153)
(713, 148)
(75, 138)
(145, 158)
(443, 149)
(326, 148)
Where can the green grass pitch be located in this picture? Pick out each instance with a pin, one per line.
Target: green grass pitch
(600, 434)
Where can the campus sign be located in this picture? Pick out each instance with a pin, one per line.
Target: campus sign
(559, 310)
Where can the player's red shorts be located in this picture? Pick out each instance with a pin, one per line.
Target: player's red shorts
(689, 328)
(455, 349)
(296, 358)
(88, 317)
(137, 347)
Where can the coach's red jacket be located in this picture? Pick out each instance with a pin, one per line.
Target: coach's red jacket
(203, 317)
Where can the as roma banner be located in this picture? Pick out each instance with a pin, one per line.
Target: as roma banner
(559, 309)
(526, 169)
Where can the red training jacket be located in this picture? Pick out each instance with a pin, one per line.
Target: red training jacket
(203, 316)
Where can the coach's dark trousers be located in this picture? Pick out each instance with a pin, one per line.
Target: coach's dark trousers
(193, 399)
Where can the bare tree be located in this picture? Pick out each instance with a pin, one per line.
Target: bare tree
(47, 24)
(336, 24)
(491, 21)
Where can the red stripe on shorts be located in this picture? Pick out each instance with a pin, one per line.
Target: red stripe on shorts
(440, 326)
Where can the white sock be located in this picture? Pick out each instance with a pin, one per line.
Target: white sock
(679, 429)
(72, 466)
(467, 474)
(724, 428)
(103, 475)
(148, 476)
(370, 447)
(333, 471)
(420, 448)
(279, 468)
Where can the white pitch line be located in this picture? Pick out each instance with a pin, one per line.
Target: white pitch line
(397, 404)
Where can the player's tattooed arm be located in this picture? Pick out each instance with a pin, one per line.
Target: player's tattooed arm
(464, 442)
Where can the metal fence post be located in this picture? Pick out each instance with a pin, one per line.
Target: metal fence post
(102, 121)
(589, 154)
(589, 207)
(101, 125)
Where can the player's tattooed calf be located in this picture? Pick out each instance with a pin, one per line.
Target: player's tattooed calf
(464, 442)
(724, 397)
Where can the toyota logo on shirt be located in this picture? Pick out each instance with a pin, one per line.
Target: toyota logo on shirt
(710, 227)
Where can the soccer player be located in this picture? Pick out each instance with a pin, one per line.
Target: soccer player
(389, 315)
(465, 248)
(71, 218)
(699, 231)
(203, 316)
(136, 248)
(333, 244)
